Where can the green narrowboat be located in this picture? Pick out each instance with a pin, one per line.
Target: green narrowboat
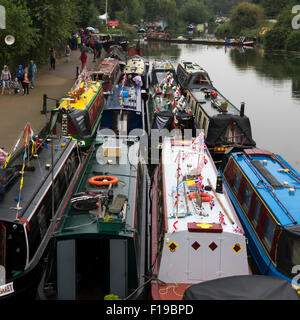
(99, 246)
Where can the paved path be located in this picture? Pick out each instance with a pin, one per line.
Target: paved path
(17, 110)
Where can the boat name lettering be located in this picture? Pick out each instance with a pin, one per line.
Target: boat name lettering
(6, 289)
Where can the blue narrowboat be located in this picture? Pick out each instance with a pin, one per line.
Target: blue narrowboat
(265, 191)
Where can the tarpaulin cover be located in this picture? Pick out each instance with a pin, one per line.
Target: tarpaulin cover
(163, 120)
(219, 123)
(248, 287)
(186, 120)
(81, 122)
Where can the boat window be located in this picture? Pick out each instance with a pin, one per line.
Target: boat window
(237, 181)
(268, 233)
(256, 211)
(247, 197)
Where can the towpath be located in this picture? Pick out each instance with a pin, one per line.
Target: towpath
(17, 110)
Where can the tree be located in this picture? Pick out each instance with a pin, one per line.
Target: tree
(245, 15)
(195, 12)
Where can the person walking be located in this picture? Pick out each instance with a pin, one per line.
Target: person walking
(20, 75)
(32, 70)
(26, 82)
(68, 53)
(52, 58)
(83, 59)
(5, 79)
(16, 86)
(79, 41)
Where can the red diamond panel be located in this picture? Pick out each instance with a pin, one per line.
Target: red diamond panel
(213, 246)
(196, 245)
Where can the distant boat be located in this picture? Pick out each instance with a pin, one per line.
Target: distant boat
(34, 186)
(99, 247)
(79, 112)
(196, 235)
(264, 189)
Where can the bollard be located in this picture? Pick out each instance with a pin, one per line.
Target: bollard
(44, 110)
(77, 72)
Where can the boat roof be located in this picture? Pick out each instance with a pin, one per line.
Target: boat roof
(275, 181)
(102, 160)
(162, 65)
(106, 67)
(132, 100)
(191, 67)
(88, 97)
(212, 107)
(36, 179)
(135, 65)
(192, 159)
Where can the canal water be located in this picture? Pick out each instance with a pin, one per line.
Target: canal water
(268, 83)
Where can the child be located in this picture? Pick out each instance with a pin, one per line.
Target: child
(16, 86)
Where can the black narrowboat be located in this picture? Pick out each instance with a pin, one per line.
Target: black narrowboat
(35, 185)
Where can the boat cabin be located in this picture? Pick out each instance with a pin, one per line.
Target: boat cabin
(99, 246)
(123, 111)
(191, 76)
(223, 123)
(196, 234)
(79, 112)
(108, 72)
(33, 189)
(265, 191)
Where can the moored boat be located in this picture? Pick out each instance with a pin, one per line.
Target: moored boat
(108, 72)
(35, 184)
(196, 235)
(225, 126)
(264, 189)
(100, 243)
(191, 76)
(136, 71)
(123, 110)
(79, 113)
(160, 68)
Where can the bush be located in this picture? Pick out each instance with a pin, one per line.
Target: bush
(293, 41)
(275, 39)
(223, 29)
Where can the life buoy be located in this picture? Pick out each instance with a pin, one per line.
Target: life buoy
(205, 197)
(98, 180)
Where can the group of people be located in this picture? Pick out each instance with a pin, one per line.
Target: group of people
(24, 78)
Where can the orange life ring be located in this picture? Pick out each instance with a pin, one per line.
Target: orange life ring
(206, 197)
(95, 180)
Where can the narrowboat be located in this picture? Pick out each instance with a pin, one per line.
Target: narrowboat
(123, 110)
(258, 287)
(160, 68)
(108, 72)
(196, 235)
(34, 186)
(264, 189)
(79, 112)
(224, 125)
(191, 76)
(99, 246)
(167, 107)
(137, 66)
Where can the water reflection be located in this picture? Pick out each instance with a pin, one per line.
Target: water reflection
(278, 66)
(269, 84)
